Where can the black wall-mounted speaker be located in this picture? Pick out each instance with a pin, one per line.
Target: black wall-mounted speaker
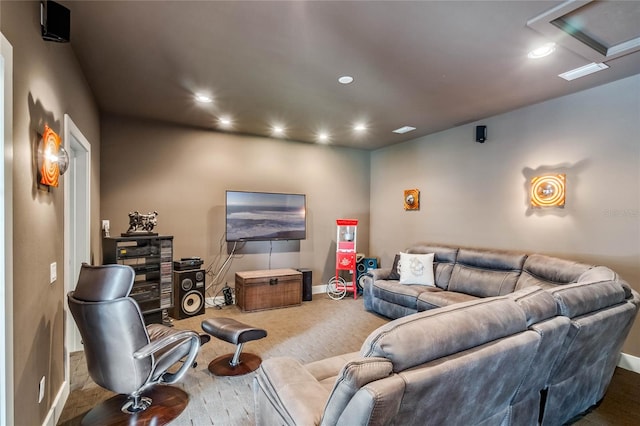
(55, 22)
(481, 134)
(307, 290)
(188, 293)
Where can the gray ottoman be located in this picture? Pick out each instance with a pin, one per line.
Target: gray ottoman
(237, 333)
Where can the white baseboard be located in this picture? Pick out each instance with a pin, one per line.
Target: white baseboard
(58, 405)
(219, 300)
(629, 362)
(317, 289)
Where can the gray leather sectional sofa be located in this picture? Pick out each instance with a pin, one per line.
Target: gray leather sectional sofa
(502, 338)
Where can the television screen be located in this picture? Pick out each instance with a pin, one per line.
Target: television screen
(263, 216)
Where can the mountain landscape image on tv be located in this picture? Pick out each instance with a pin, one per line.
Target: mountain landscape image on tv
(263, 216)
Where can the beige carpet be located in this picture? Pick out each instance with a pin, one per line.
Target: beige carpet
(312, 331)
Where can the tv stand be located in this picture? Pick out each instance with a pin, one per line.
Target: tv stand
(268, 289)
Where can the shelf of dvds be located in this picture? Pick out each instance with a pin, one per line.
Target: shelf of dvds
(151, 258)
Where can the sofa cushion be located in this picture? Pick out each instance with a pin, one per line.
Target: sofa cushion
(328, 369)
(548, 272)
(395, 270)
(597, 273)
(416, 269)
(288, 387)
(425, 336)
(443, 261)
(486, 273)
(403, 295)
(437, 299)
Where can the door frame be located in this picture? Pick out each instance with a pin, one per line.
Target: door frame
(77, 225)
(6, 232)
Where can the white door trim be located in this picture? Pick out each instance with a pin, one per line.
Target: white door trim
(6, 233)
(77, 229)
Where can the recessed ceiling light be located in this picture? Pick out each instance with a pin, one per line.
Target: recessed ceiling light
(542, 51)
(582, 71)
(225, 122)
(202, 98)
(359, 127)
(323, 137)
(345, 79)
(277, 130)
(404, 129)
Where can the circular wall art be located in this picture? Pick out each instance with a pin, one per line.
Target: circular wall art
(49, 150)
(548, 190)
(411, 199)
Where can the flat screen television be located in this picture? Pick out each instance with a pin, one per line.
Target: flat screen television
(264, 216)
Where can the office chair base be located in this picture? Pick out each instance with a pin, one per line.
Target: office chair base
(168, 403)
(221, 366)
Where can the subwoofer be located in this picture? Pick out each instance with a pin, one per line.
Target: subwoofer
(188, 293)
(307, 290)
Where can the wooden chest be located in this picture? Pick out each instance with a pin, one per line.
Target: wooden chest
(269, 289)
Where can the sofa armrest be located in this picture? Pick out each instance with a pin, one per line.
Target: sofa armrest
(353, 376)
(291, 390)
(380, 274)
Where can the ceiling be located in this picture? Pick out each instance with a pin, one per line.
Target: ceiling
(431, 65)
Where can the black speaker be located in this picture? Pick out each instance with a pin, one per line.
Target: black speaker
(188, 293)
(55, 21)
(307, 290)
(481, 134)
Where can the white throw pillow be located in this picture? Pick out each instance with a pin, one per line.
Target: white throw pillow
(416, 269)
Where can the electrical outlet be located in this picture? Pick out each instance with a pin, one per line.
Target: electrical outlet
(43, 381)
(53, 272)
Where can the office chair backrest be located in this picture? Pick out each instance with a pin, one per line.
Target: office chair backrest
(111, 326)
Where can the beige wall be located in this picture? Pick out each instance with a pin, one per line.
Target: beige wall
(475, 194)
(472, 194)
(183, 174)
(47, 84)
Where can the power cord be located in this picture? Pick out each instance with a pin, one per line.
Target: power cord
(216, 271)
(227, 293)
(228, 298)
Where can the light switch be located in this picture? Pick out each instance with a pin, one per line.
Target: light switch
(53, 273)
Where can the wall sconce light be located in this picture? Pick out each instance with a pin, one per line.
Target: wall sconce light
(412, 199)
(53, 159)
(548, 190)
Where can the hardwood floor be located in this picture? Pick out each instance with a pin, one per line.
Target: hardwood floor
(621, 404)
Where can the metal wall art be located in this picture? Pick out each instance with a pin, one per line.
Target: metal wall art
(548, 190)
(411, 199)
(53, 160)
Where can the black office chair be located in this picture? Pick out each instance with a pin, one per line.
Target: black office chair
(125, 356)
